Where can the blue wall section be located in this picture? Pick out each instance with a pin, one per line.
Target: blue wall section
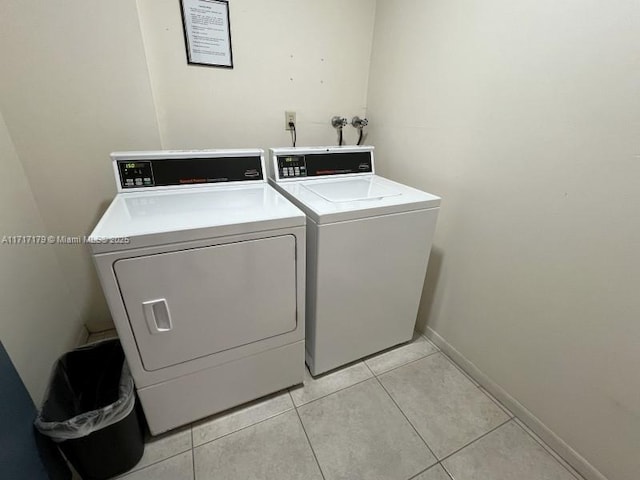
(24, 453)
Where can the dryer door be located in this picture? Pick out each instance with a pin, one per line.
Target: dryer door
(193, 303)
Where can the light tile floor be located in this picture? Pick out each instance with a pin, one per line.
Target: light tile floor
(408, 413)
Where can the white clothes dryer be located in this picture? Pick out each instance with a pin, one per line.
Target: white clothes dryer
(203, 266)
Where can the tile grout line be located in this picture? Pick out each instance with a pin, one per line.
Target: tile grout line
(421, 472)
(412, 425)
(496, 401)
(475, 384)
(449, 474)
(369, 368)
(364, 362)
(329, 394)
(439, 462)
(134, 470)
(429, 340)
(244, 428)
(403, 365)
(446, 457)
(405, 417)
(544, 446)
(400, 346)
(193, 453)
(469, 377)
(293, 407)
(446, 472)
(491, 397)
(309, 441)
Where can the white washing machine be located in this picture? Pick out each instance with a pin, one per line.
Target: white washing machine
(203, 266)
(368, 245)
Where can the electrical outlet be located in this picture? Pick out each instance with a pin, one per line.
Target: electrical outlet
(289, 117)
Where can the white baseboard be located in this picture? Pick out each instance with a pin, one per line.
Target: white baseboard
(573, 458)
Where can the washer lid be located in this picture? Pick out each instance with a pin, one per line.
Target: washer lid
(331, 200)
(155, 218)
(352, 190)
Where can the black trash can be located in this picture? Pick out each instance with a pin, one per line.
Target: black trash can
(89, 410)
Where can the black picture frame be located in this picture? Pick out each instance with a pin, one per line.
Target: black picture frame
(186, 36)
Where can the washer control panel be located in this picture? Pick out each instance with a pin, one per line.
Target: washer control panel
(292, 166)
(324, 164)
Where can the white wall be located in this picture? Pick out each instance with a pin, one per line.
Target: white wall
(38, 317)
(74, 87)
(525, 117)
(73, 90)
(311, 57)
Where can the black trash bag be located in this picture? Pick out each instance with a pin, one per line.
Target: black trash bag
(89, 410)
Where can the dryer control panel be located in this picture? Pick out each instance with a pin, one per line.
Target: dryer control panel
(324, 164)
(168, 171)
(135, 174)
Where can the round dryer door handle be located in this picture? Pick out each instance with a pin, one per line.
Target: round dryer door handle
(156, 313)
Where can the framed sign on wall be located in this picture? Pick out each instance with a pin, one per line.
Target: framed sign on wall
(207, 32)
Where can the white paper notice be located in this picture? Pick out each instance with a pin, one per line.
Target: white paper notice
(207, 29)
